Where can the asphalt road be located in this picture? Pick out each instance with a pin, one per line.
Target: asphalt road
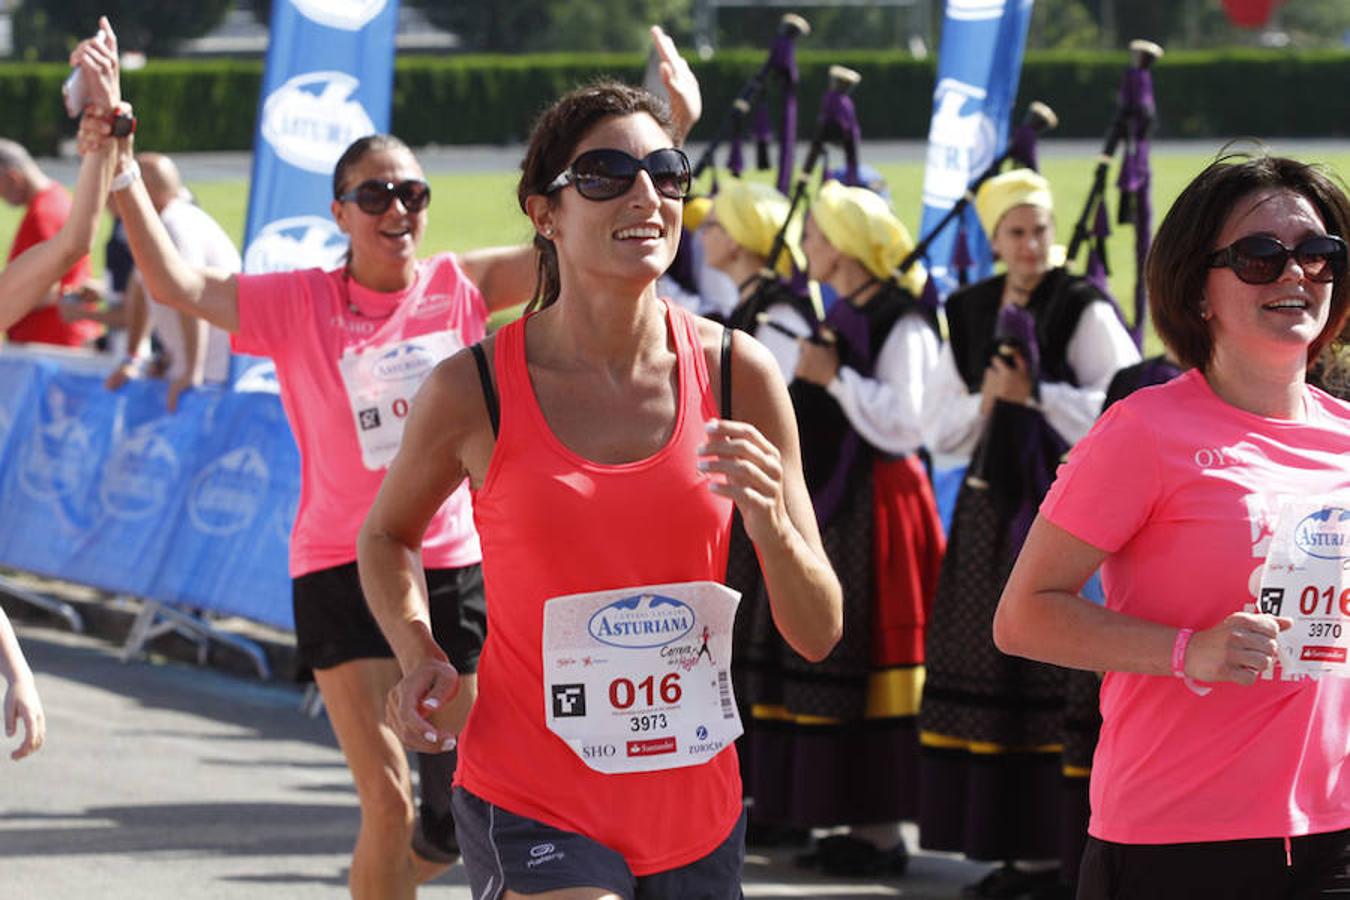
(166, 781)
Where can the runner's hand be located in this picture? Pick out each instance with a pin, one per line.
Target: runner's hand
(751, 470)
(22, 705)
(686, 101)
(1238, 649)
(97, 58)
(408, 708)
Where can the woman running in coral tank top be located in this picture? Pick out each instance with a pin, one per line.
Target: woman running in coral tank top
(599, 760)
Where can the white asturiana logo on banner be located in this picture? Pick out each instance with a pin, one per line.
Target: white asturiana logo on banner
(137, 477)
(974, 10)
(60, 455)
(226, 494)
(296, 242)
(312, 118)
(348, 15)
(960, 141)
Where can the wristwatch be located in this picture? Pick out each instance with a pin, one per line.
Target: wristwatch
(123, 123)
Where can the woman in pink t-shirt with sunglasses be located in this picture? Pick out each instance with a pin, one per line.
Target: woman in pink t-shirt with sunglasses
(1216, 775)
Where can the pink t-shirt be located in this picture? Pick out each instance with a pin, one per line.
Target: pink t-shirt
(1181, 489)
(306, 322)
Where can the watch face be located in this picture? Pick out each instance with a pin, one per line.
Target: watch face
(123, 125)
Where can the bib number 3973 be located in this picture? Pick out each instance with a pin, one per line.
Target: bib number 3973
(1306, 577)
(639, 679)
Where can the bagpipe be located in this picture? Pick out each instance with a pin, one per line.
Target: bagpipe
(836, 123)
(1135, 114)
(780, 67)
(1021, 149)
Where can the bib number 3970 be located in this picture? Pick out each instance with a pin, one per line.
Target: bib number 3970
(638, 679)
(1306, 577)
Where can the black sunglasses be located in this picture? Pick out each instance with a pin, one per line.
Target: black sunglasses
(1258, 259)
(606, 174)
(375, 196)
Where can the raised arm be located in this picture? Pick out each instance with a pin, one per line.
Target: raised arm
(203, 293)
(505, 275)
(759, 456)
(447, 423)
(686, 100)
(28, 279)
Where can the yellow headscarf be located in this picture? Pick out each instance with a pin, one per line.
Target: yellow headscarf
(860, 224)
(695, 211)
(752, 213)
(1019, 187)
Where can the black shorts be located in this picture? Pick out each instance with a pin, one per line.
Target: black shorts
(503, 851)
(333, 624)
(1258, 869)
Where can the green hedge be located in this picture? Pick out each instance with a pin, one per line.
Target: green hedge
(211, 105)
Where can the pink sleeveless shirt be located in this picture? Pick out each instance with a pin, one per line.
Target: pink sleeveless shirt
(553, 523)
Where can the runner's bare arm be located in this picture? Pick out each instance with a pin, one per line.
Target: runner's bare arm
(1042, 616)
(448, 424)
(759, 456)
(505, 275)
(203, 293)
(27, 281)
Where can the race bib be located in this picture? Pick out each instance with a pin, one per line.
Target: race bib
(639, 679)
(380, 384)
(1306, 577)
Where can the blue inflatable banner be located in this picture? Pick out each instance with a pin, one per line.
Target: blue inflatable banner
(110, 490)
(979, 64)
(328, 80)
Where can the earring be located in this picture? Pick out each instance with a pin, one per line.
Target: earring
(548, 233)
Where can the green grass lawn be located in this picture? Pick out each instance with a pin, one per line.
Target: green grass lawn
(479, 209)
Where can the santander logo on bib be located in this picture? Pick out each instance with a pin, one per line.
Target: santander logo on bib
(347, 15)
(642, 621)
(1325, 534)
(312, 118)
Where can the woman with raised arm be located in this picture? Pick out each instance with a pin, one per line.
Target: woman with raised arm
(1216, 775)
(598, 759)
(28, 278)
(351, 346)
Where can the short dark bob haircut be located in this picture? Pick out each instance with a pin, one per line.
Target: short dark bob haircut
(1178, 262)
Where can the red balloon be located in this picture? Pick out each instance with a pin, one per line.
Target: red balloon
(1250, 13)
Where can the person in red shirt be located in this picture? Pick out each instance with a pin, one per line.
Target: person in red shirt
(36, 264)
(48, 206)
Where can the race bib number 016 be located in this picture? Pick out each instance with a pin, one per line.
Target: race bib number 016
(1306, 577)
(639, 679)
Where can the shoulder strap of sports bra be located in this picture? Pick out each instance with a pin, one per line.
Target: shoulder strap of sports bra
(489, 392)
(726, 371)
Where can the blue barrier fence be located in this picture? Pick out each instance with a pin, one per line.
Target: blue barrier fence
(109, 490)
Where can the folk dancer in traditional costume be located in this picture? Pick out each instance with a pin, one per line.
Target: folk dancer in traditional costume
(834, 743)
(1030, 355)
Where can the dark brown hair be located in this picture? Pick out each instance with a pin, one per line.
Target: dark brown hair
(357, 151)
(1178, 262)
(553, 142)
